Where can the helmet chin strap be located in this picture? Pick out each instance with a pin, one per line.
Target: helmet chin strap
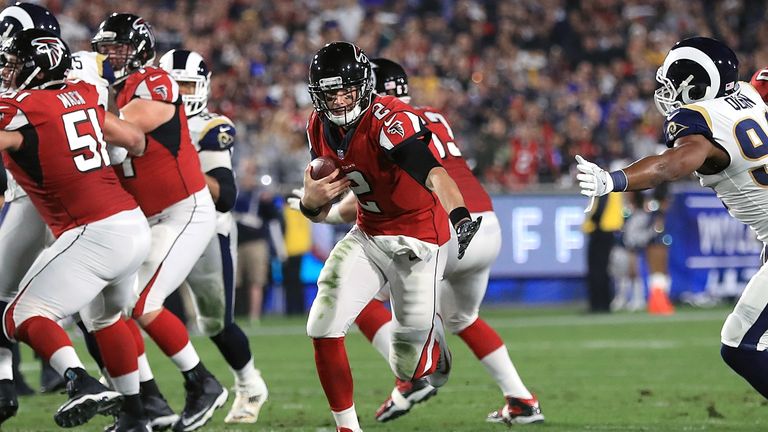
(29, 78)
(341, 120)
(684, 89)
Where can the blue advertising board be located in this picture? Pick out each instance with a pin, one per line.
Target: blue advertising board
(541, 236)
(711, 251)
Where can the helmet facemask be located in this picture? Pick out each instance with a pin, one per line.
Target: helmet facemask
(342, 105)
(666, 96)
(9, 69)
(196, 101)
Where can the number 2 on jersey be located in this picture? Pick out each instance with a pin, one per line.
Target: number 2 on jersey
(95, 144)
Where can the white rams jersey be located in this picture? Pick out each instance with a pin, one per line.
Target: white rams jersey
(738, 123)
(213, 136)
(87, 66)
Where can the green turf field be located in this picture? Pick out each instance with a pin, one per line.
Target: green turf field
(621, 372)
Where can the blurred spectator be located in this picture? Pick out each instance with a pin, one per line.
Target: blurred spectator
(298, 241)
(258, 221)
(526, 84)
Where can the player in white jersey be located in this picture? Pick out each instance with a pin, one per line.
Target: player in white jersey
(212, 280)
(717, 128)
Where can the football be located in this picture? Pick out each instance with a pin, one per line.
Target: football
(321, 167)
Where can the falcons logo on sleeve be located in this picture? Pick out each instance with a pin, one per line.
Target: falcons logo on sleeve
(52, 47)
(395, 127)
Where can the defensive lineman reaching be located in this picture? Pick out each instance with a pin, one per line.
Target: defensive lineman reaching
(404, 195)
(212, 280)
(717, 128)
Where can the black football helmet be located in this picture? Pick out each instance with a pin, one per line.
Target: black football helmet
(22, 16)
(341, 66)
(189, 67)
(695, 69)
(127, 41)
(390, 78)
(33, 58)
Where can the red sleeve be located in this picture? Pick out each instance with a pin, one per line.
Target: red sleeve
(157, 85)
(400, 127)
(760, 82)
(11, 117)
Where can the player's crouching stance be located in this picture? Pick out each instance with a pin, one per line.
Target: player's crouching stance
(404, 196)
(716, 128)
(54, 136)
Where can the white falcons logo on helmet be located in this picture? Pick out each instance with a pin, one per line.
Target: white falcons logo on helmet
(50, 46)
(142, 27)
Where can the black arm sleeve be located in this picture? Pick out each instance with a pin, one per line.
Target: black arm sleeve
(3, 178)
(227, 188)
(414, 157)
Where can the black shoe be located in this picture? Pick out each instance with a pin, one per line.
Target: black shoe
(159, 413)
(128, 423)
(50, 380)
(204, 396)
(404, 396)
(8, 402)
(87, 397)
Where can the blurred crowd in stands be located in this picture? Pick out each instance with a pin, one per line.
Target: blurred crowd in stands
(526, 84)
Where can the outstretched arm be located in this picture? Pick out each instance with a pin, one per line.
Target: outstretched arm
(689, 154)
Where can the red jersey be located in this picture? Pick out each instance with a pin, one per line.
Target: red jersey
(390, 201)
(63, 163)
(475, 197)
(760, 82)
(169, 170)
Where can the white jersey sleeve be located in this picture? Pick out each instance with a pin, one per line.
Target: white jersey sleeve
(737, 123)
(93, 68)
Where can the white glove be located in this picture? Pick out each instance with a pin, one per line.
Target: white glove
(593, 181)
(293, 201)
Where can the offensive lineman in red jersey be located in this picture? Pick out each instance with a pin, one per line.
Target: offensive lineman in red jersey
(464, 283)
(168, 184)
(54, 135)
(381, 147)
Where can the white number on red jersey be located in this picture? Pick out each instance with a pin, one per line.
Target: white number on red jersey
(94, 144)
(453, 150)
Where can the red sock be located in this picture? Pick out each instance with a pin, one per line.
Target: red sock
(168, 332)
(43, 335)
(334, 372)
(136, 333)
(481, 338)
(117, 349)
(372, 318)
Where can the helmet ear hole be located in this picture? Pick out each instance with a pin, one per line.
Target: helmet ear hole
(697, 92)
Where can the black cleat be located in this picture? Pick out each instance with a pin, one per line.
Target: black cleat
(204, 396)
(127, 423)
(159, 413)
(8, 402)
(404, 396)
(517, 411)
(87, 397)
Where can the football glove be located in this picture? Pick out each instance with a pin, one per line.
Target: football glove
(593, 180)
(295, 197)
(465, 231)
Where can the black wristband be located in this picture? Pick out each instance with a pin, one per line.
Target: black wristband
(459, 214)
(308, 212)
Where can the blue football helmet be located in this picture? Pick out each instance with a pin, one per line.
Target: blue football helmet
(22, 16)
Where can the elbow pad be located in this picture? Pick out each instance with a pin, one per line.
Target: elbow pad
(227, 188)
(415, 158)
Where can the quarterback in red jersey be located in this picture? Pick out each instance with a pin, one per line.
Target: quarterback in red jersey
(53, 134)
(168, 184)
(464, 282)
(404, 195)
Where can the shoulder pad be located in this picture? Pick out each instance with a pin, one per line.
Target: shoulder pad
(218, 134)
(153, 83)
(688, 120)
